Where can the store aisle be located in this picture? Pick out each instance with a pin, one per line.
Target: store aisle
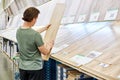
(6, 72)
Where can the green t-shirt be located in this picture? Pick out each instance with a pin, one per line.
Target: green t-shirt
(28, 43)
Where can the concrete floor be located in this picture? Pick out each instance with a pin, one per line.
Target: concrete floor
(6, 67)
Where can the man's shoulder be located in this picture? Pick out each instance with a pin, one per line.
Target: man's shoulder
(35, 32)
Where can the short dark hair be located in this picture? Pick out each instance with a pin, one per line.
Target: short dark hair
(30, 13)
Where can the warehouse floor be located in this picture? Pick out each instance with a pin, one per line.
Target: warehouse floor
(6, 72)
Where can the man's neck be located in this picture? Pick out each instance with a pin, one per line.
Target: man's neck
(27, 25)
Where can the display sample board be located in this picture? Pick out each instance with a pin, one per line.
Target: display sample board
(95, 53)
(107, 65)
(55, 23)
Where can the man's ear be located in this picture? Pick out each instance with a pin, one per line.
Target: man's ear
(34, 19)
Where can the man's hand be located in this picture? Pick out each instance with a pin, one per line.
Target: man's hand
(49, 45)
(48, 26)
(43, 28)
(46, 48)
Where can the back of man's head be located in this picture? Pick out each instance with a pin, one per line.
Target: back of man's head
(30, 13)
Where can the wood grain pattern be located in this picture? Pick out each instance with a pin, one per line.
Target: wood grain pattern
(105, 4)
(105, 40)
(84, 8)
(71, 7)
(82, 46)
(110, 57)
(91, 6)
(116, 5)
(55, 23)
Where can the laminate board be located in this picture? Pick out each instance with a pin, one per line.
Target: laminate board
(116, 6)
(72, 33)
(79, 43)
(107, 65)
(55, 23)
(71, 7)
(100, 41)
(103, 8)
(46, 12)
(84, 8)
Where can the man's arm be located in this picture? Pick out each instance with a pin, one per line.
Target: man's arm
(46, 48)
(43, 28)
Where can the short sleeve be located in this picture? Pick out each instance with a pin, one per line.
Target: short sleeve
(38, 40)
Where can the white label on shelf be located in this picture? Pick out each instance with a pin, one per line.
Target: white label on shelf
(104, 65)
(94, 54)
(80, 60)
(111, 14)
(94, 16)
(81, 18)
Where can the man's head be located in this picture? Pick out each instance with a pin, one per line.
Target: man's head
(30, 14)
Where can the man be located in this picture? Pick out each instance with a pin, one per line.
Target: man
(31, 46)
